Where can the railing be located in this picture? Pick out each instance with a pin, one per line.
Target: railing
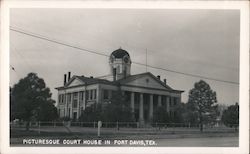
(109, 124)
(123, 128)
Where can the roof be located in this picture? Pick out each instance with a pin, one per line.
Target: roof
(137, 76)
(86, 81)
(120, 53)
(90, 80)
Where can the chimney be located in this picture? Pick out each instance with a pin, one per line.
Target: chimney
(114, 74)
(159, 77)
(65, 79)
(165, 81)
(69, 76)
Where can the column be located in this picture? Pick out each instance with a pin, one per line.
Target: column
(78, 105)
(71, 108)
(132, 99)
(141, 114)
(66, 105)
(167, 105)
(151, 109)
(89, 94)
(99, 95)
(159, 100)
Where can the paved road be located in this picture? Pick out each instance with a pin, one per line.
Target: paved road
(199, 142)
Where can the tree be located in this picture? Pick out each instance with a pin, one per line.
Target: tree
(92, 113)
(47, 111)
(202, 100)
(31, 100)
(119, 109)
(161, 115)
(188, 116)
(230, 116)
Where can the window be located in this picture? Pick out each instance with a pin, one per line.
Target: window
(171, 114)
(91, 94)
(87, 95)
(75, 95)
(75, 99)
(81, 95)
(171, 101)
(62, 98)
(95, 94)
(69, 113)
(59, 98)
(175, 101)
(105, 94)
(69, 97)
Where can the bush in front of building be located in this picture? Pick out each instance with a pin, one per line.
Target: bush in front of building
(161, 115)
(230, 116)
(116, 111)
(92, 113)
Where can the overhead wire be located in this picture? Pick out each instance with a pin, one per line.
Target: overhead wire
(102, 54)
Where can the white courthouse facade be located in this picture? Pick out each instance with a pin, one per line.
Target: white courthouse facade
(144, 91)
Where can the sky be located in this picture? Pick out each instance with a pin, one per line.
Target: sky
(200, 42)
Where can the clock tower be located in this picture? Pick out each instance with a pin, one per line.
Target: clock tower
(120, 64)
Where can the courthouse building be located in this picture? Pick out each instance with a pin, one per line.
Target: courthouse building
(144, 91)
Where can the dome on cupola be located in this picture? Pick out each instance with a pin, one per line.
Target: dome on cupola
(119, 53)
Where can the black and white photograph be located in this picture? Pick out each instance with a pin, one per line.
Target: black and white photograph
(149, 77)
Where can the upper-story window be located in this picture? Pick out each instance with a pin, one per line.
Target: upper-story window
(171, 101)
(94, 93)
(91, 94)
(175, 101)
(69, 97)
(75, 95)
(75, 99)
(87, 95)
(61, 98)
(81, 95)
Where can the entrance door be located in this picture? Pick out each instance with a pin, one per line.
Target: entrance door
(74, 116)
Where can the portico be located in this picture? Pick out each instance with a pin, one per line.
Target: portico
(143, 104)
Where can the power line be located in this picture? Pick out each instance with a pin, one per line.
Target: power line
(102, 54)
(188, 74)
(57, 42)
